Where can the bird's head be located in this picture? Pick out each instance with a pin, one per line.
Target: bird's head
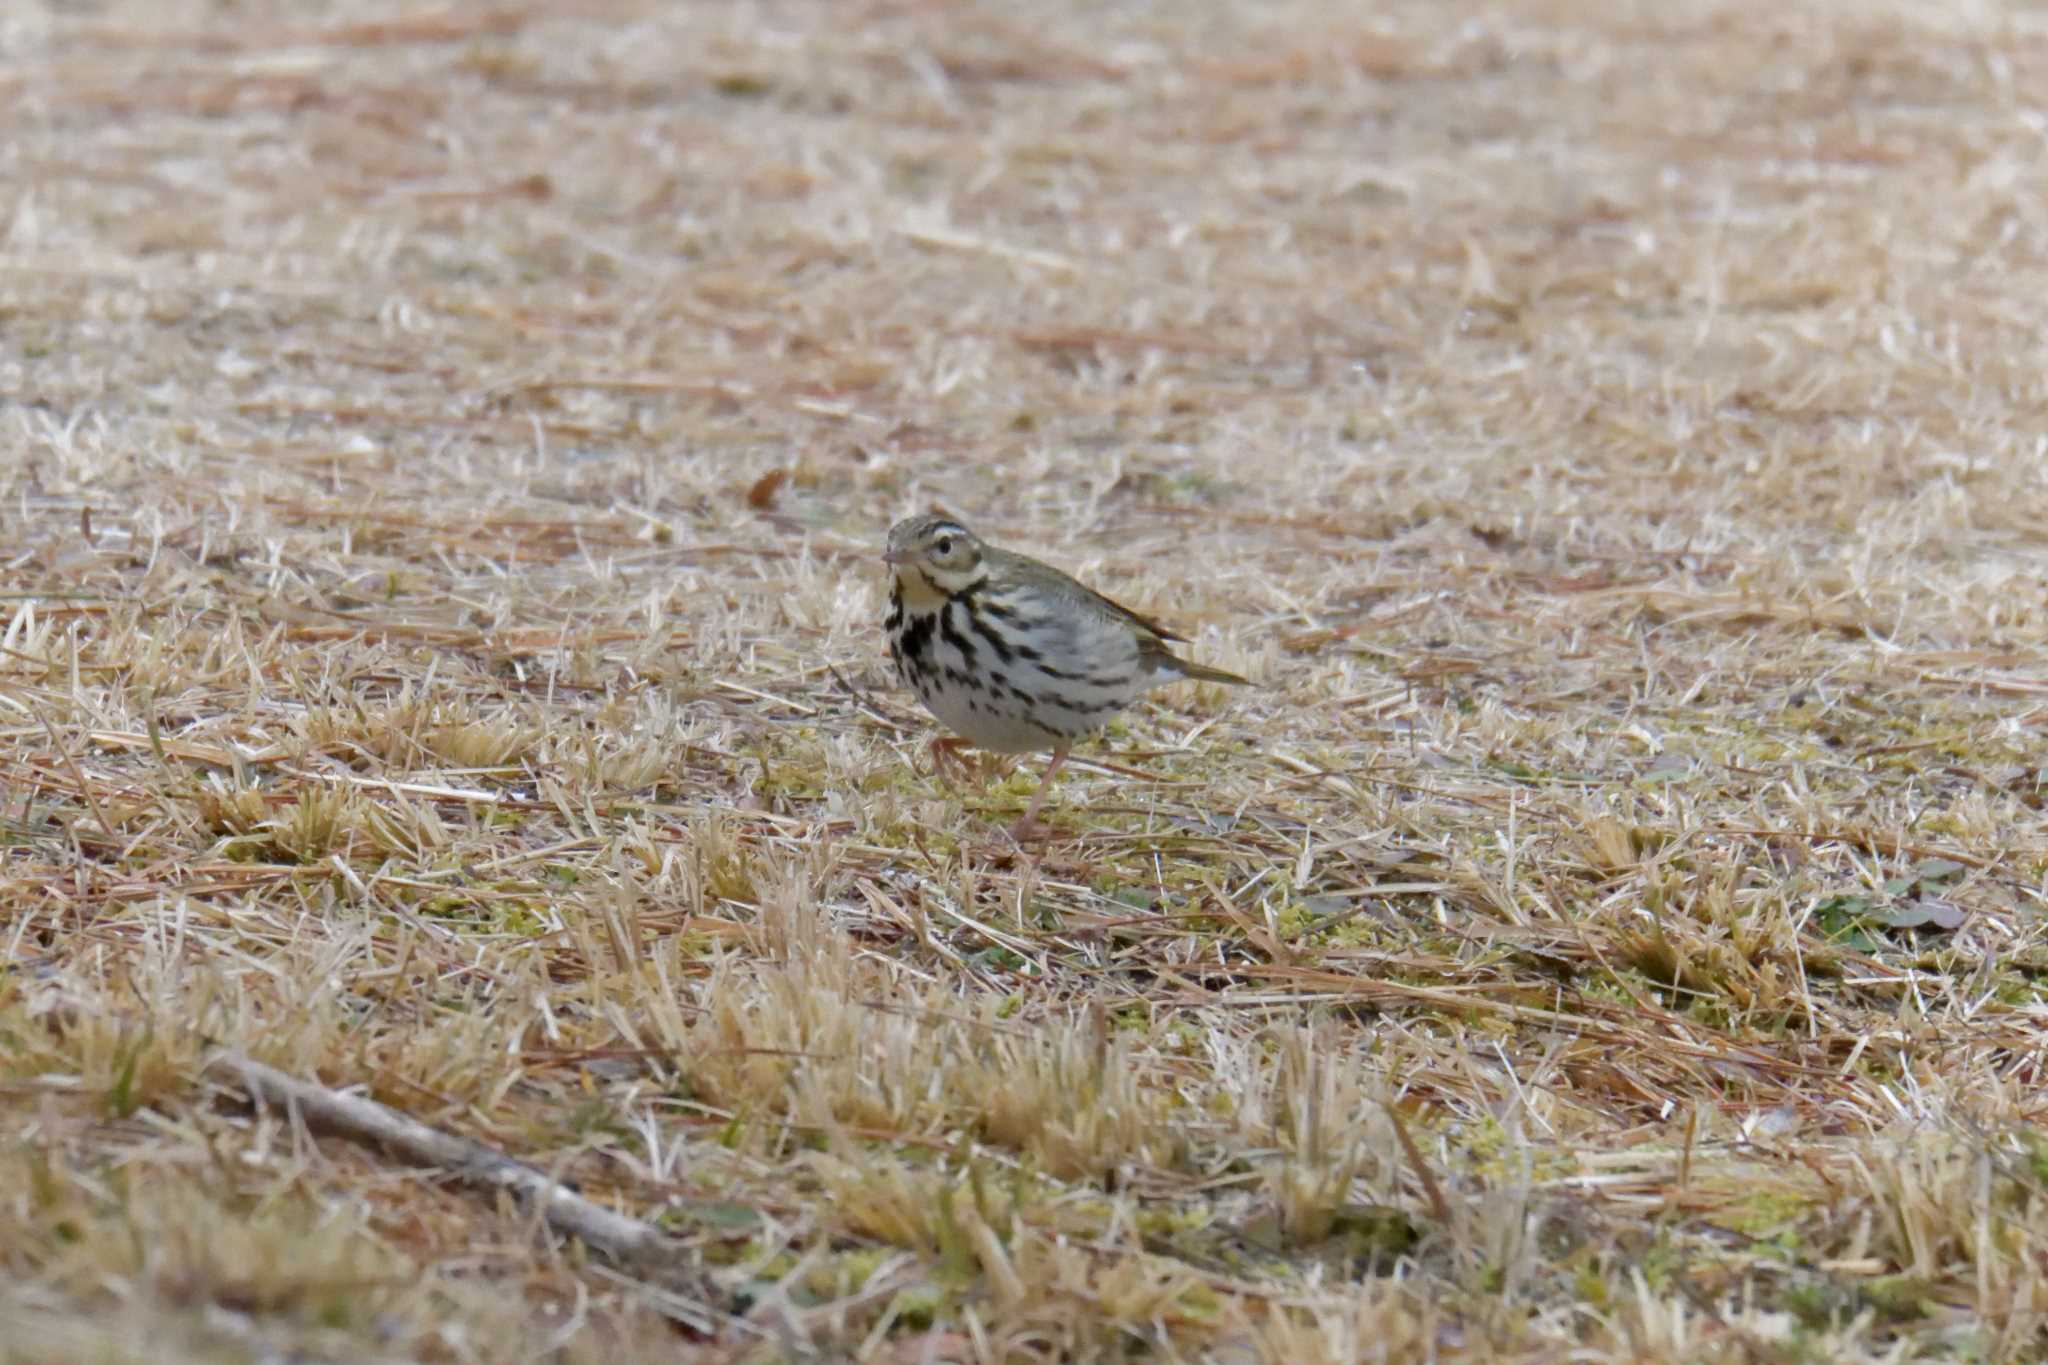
(935, 553)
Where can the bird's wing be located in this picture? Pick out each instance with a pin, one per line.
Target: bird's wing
(1086, 597)
(1124, 613)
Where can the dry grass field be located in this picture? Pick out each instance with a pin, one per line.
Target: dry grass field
(444, 456)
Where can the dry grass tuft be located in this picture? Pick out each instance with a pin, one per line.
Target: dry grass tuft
(444, 457)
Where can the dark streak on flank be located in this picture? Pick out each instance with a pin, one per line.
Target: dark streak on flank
(1093, 708)
(992, 636)
(955, 637)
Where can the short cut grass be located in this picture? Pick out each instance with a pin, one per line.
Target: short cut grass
(443, 459)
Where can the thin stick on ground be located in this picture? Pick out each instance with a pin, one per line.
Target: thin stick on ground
(627, 1242)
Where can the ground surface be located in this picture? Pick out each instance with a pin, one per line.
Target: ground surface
(445, 454)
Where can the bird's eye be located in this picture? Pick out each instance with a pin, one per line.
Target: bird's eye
(943, 545)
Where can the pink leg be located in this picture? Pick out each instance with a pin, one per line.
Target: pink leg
(1028, 828)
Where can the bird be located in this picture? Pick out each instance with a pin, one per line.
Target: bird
(1013, 655)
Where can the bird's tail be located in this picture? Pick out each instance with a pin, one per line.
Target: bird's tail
(1204, 673)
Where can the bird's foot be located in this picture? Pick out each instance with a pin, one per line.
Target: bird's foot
(948, 763)
(1032, 830)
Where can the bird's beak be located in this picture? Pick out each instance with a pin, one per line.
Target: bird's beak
(895, 558)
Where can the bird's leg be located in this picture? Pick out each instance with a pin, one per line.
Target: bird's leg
(1028, 828)
(944, 753)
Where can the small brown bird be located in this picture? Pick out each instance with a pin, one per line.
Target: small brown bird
(1013, 655)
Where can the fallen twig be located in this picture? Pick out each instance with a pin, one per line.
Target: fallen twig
(627, 1242)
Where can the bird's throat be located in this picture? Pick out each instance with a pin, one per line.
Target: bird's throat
(918, 593)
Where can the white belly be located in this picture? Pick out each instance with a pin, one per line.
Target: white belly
(1086, 671)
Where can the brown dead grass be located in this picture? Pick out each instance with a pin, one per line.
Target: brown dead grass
(444, 458)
